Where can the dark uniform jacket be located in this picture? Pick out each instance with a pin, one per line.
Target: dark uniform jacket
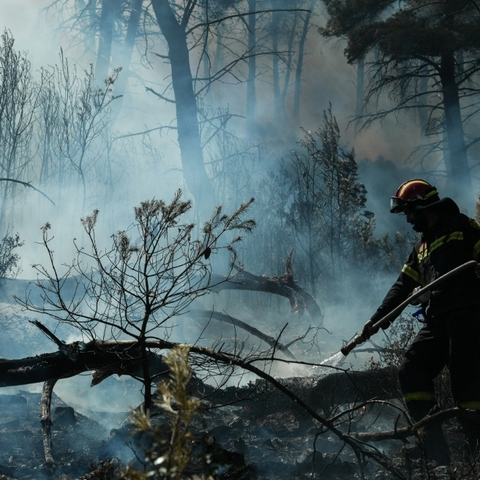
(452, 241)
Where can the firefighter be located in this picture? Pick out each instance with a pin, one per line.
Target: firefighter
(451, 334)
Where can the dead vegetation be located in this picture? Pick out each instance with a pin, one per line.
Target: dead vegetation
(205, 419)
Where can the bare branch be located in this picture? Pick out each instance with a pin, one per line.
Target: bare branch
(27, 184)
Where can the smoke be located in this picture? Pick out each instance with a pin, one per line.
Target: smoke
(138, 175)
(31, 32)
(146, 168)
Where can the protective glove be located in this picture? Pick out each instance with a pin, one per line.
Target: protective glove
(369, 329)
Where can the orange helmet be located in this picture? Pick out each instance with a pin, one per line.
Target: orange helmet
(413, 193)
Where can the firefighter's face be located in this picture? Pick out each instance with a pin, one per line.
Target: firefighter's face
(420, 220)
(413, 219)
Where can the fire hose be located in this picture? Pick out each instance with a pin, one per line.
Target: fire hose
(397, 310)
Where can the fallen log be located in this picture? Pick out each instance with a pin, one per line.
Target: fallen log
(103, 358)
(414, 429)
(285, 286)
(324, 392)
(77, 357)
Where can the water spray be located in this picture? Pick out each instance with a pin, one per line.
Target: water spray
(396, 311)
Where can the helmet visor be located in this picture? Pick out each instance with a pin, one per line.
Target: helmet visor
(397, 205)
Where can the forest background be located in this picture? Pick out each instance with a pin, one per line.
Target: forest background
(107, 103)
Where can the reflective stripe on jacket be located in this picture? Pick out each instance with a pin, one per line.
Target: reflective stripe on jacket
(452, 241)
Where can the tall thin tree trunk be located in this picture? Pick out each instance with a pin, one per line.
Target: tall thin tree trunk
(276, 73)
(194, 171)
(252, 66)
(422, 111)
(298, 71)
(126, 54)
(88, 23)
(459, 178)
(218, 60)
(107, 20)
(360, 86)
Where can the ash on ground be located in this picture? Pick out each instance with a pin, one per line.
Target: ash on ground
(263, 436)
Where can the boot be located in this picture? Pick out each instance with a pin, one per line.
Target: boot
(436, 446)
(432, 440)
(472, 443)
(471, 431)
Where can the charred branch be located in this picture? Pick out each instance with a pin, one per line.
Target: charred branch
(46, 421)
(309, 399)
(284, 286)
(27, 184)
(105, 358)
(60, 344)
(326, 390)
(414, 429)
(101, 358)
(222, 317)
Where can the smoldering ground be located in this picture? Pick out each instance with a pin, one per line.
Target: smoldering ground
(258, 432)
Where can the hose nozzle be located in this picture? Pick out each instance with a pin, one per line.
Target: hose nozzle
(387, 319)
(350, 346)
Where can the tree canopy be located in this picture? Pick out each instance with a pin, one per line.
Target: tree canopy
(425, 56)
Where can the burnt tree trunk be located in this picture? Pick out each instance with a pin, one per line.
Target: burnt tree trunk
(101, 358)
(107, 20)
(252, 67)
(46, 420)
(285, 286)
(457, 159)
(126, 54)
(194, 171)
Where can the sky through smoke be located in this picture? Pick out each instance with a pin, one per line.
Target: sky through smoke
(327, 79)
